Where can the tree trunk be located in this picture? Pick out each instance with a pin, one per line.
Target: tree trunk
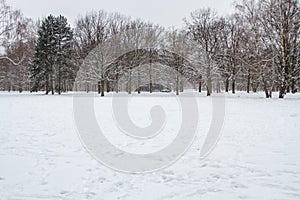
(129, 82)
(233, 79)
(200, 86)
(139, 82)
(254, 88)
(209, 80)
(227, 85)
(208, 91)
(47, 85)
(107, 86)
(87, 87)
(117, 83)
(150, 83)
(293, 86)
(181, 86)
(52, 85)
(218, 87)
(102, 88)
(59, 81)
(248, 82)
(267, 93)
(64, 86)
(151, 87)
(233, 86)
(99, 87)
(281, 92)
(265, 86)
(150, 79)
(9, 87)
(20, 89)
(209, 87)
(177, 83)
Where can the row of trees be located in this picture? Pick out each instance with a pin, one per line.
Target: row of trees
(255, 48)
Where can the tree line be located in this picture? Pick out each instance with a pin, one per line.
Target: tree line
(257, 48)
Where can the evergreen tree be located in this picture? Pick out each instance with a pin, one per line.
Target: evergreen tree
(64, 43)
(52, 58)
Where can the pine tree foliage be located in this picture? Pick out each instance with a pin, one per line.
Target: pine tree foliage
(52, 63)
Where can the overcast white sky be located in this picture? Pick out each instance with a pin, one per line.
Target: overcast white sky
(165, 12)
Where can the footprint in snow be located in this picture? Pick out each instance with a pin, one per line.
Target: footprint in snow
(43, 183)
(90, 195)
(101, 180)
(64, 192)
(238, 185)
(168, 172)
(167, 178)
(2, 179)
(294, 115)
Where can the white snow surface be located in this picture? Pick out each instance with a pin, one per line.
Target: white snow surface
(257, 156)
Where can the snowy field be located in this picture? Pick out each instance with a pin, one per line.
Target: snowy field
(257, 156)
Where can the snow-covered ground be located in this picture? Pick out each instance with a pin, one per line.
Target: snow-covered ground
(257, 157)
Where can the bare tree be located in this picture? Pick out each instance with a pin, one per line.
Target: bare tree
(9, 23)
(90, 31)
(180, 45)
(203, 28)
(281, 22)
(17, 37)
